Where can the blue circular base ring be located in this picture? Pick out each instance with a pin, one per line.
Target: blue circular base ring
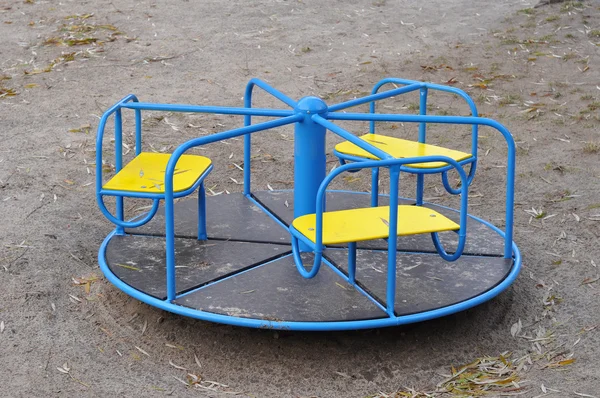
(313, 325)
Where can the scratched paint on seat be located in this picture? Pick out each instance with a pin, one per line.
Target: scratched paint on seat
(146, 173)
(369, 223)
(400, 148)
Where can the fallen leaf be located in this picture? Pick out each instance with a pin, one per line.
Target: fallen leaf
(587, 281)
(515, 329)
(564, 362)
(128, 267)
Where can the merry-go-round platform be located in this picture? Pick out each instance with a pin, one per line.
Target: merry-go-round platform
(233, 259)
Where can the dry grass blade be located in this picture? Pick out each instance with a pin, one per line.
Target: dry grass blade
(75, 298)
(179, 380)
(407, 393)
(7, 92)
(176, 366)
(484, 376)
(215, 383)
(64, 369)
(584, 395)
(130, 267)
(142, 351)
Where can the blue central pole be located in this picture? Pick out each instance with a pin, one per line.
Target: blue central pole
(309, 158)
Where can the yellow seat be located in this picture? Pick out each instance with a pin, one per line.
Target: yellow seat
(400, 148)
(146, 173)
(356, 225)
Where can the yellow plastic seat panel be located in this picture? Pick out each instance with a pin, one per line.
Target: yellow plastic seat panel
(400, 148)
(146, 173)
(369, 223)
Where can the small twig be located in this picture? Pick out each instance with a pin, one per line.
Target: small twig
(5, 183)
(18, 257)
(48, 360)
(115, 7)
(36, 209)
(158, 59)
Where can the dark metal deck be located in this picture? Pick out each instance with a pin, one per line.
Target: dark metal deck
(244, 268)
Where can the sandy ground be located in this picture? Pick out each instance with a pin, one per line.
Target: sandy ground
(65, 331)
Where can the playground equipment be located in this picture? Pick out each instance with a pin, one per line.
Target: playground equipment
(308, 258)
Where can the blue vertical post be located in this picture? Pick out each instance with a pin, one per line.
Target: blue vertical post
(422, 139)
(392, 241)
(138, 132)
(372, 110)
(202, 212)
(375, 187)
(119, 212)
(247, 139)
(309, 158)
(375, 170)
(352, 263)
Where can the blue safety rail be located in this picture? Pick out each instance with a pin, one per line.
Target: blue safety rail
(423, 88)
(131, 102)
(312, 118)
(396, 166)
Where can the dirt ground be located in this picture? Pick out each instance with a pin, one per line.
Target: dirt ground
(66, 331)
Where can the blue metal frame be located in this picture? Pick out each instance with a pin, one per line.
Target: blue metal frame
(510, 167)
(312, 117)
(248, 121)
(116, 110)
(169, 210)
(411, 85)
(395, 166)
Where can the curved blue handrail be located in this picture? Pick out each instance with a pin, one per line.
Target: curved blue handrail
(132, 102)
(115, 109)
(437, 87)
(128, 224)
(422, 127)
(511, 161)
(320, 207)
